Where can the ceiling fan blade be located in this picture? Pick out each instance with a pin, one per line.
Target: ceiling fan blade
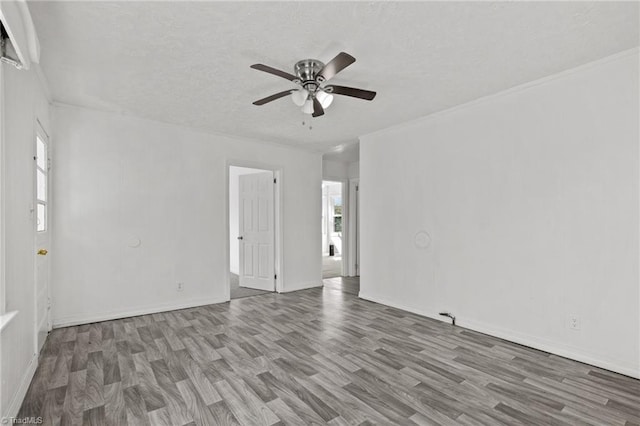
(317, 108)
(351, 91)
(273, 97)
(271, 70)
(335, 65)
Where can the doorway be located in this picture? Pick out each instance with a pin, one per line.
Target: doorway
(42, 239)
(252, 231)
(332, 229)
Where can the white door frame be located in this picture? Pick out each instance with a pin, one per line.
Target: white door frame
(353, 230)
(39, 131)
(278, 204)
(346, 225)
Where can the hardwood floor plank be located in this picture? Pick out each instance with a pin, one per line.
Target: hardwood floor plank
(74, 399)
(245, 405)
(222, 415)
(196, 407)
(94, 389)
(94, 417)
(280, 380)
(53, 405)
(135, 407)
(115, 410)
(286, 415)
(203, 386)
(160, 417)
(126, 366)
(175, 404)
(110, 361)
(149, 389)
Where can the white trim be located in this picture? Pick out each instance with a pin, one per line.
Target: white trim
(18, 396)
(143, 310)
(352, 270)
(3, 299)
(519, 88)
(515, 337)
(278, 211)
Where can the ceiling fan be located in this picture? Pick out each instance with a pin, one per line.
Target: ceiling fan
(311, 75)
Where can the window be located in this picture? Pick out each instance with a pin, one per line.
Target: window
(42, 169)
(337, 213)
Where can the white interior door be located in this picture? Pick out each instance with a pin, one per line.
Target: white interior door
(256, 226)
(42, 220)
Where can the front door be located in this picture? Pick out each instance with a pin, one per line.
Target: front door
(42, 221)
(256, 226)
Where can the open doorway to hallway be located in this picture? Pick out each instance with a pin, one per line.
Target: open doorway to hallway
(251, 231)
(332, 229)
(340, 199)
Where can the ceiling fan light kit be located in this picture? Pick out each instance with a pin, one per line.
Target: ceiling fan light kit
(312, 95)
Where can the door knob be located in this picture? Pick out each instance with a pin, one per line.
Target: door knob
(42, 252)
(240, 238)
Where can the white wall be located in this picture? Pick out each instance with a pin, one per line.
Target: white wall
(334, 170)
(530, 198)
(353, 170)
(234, 214)
(24, 102)
(338, 170)
(119, 179)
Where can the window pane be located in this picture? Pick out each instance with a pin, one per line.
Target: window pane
(41, 154)
(41, 218)
(41, 180)
(337, 224)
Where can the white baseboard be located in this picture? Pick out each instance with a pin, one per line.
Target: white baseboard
(21, 392)
(144, 310)
(515, 337)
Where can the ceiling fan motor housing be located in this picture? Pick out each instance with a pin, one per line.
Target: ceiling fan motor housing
(307, 70)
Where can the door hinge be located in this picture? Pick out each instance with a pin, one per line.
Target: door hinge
(357, 187)
(275, 277)
(274, 180)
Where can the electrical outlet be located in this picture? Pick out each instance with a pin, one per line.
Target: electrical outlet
(180, 287)
(574, 322)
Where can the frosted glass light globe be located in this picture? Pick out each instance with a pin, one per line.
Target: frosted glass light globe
(307, 108)
(324, 98)
(299, 97)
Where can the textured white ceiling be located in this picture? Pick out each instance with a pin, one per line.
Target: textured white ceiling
(188, 63)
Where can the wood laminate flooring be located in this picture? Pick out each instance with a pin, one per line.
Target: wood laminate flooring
(349, 285)
(236, 292)
(319, 356)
